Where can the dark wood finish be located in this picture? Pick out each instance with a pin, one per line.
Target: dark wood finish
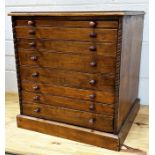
(75, 117)
(83, 105)
(68, 61)
(101, 96)
(101, 139)
(128, 122)
(72, 79)
(49, 21)
(106, 35)
(82, 65)
(129, 66)
(76, 133)
(75, 47)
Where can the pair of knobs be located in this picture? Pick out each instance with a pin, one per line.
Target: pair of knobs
(91, 23)
(92, 82)
(91, 121)
(91, 48)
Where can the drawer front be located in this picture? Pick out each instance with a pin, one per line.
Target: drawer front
(69, 78)
(74, 117)
(106, 49)
(75, 34)
(58, 101)
(48, 21)
(84, 63)
(99, 96)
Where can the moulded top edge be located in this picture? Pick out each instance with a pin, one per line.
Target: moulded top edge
(88, 13)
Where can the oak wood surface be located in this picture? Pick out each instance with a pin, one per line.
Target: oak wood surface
(103, 35)
(74, 117)
(78, 13)
(84, 94)
(68, 61)
(75, 47)
(129, 66)
(83, 105)
(49, 21)
(71, 79)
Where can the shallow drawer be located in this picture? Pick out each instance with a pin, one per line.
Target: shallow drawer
(82, 63)
(75, 34)
(51, 21)
(68, 78)
(76, 47)
(75, 117)
(66, 102)
(106, 96)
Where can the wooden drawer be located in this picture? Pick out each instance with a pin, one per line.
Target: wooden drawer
(73, 62)
(49, 21)
(75, 117)
(76, 47)
(66, 102)
(68, 78)
(74, 34)
(100, 96)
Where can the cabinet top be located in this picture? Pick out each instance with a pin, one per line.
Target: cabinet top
(86, 13)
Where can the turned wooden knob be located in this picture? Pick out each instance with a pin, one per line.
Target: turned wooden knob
(91, 121)
(92, 106)
(31, 32)
(34, 58)
(92, 24)
(30, 22)
(36, 87)
(92, 48)
(92, 82)
(37, 110)
(32, 44)
(36, 98)
(35, 74)
(93, 64)
(92, 96)
(93, 35)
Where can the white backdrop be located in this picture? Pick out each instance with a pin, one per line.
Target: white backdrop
(77, 5)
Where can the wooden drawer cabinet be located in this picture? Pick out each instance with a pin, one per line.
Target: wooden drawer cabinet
(78, 73)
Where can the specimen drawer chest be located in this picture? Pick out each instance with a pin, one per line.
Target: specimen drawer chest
(78, 73)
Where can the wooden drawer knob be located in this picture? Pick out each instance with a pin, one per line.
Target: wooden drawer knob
(93, 64)
(35, 74)
(31, 32)
(92, 96)
(92, 82)
(37, 110)
(34, 58)
(92, 48)
(91, 121)
(92, 106)
(36, 88)
(93, 35)
(36, 98)
(32, 44)
(30, 22)
(92, 24)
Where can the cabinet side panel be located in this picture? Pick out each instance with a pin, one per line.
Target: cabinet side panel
(130, 64)
(17, 62)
